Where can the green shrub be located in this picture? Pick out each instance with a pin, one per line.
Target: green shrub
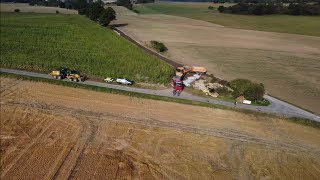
(57, 12)
(160, 47)
(248, 89)
(211, 8)
(136, 11)
(223, 91)
(239, 86)
(17, 10)
(125, 3)
(107, 16)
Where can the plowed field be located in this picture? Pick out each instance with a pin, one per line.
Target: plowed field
(56, 132)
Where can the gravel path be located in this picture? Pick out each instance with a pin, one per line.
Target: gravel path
(277, 106)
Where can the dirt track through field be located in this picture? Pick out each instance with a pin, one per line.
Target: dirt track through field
(60, 134)
(287, 64)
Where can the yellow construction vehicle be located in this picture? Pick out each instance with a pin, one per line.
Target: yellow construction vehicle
(63, 73)
(75, 76)
(59, 74)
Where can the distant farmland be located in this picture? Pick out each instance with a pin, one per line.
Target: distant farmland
(305, 25)
(43, 42)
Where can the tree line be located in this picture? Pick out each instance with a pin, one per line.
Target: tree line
(272, 8)
(93, 10)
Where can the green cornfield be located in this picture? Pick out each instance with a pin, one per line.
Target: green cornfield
(43, 42)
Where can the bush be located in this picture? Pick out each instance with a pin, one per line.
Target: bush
(136, 11)
(272, 8)
(221, 9)
(160, 47)
(211, 8)
(17, 10)
(107, 16)
(224, 82)
(57, 12)
(125, 3)
(223, 91)
(248, 89)
(94, 11)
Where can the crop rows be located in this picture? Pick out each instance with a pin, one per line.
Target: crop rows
(42, 42)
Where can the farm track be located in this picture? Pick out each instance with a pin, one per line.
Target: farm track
(82, 114)
(276, 107)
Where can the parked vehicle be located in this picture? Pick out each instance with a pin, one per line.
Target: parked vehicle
(75, 76)
(124, 81)
(109, 79)
(59, 74)
(177, 87)
(181, 71)
(64, 73)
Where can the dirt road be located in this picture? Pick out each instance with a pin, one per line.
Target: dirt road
(55, 132)
(277, 106)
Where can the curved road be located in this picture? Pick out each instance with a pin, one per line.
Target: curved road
(277, 106)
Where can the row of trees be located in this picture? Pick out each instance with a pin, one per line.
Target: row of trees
(96, 12)
(272, 8)
(93, 10)
(125, 3)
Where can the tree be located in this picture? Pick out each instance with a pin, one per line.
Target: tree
(221, 9)
(94, 11)
(239, 86)
(125, 3)
(255, 92)
(107, 16)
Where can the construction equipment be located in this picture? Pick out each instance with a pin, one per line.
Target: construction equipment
(109, 79)
(180, 71)
(63, 73)
(75, 76)
(60, 74)
(177, 86)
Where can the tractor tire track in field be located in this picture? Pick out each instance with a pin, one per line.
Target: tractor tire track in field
(227, 134)
(78, 149)
(25, 150)
(92, 128)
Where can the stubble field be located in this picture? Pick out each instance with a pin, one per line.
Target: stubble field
(287, 64)
(24, 7)
(50, 131)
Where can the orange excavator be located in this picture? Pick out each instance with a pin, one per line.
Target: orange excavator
(180, 71)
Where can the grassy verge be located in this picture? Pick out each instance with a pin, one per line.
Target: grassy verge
(304, 25)
(302, 121)
(43, 42)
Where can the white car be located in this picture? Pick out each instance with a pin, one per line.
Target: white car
(124, 81)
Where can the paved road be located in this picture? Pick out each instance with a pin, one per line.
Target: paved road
(277, 106)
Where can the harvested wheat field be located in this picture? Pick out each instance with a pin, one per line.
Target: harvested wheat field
(55, 132)
(287, 64)
(24, 7)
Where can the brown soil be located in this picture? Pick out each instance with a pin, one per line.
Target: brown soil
(287, 64)
(50, 131)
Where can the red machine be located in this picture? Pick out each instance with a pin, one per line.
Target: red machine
(177, 86)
